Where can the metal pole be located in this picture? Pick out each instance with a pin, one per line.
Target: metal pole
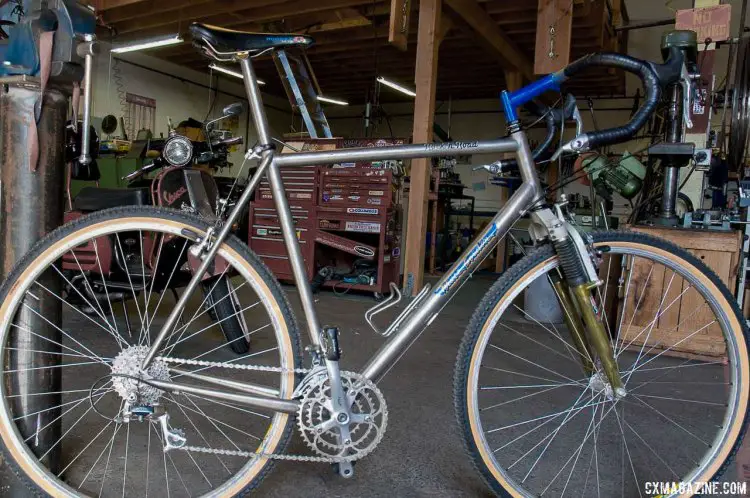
(672, 173)
(32, 206)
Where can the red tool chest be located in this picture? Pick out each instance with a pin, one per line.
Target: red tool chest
(341, 214)
(366, 187)
(267, 241)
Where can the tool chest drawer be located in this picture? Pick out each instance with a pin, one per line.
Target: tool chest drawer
(300, 184)
(356, 187)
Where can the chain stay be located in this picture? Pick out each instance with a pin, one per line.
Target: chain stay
(250, 454)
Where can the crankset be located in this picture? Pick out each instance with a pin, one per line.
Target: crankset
(334, 439)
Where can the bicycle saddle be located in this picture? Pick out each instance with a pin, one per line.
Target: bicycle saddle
(230, 41)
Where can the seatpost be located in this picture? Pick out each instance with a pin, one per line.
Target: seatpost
(255, 100)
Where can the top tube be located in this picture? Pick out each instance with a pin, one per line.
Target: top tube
(513, 100)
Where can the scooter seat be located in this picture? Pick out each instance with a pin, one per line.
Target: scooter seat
(96, 199)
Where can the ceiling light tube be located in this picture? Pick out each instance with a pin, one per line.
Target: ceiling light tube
(396, 86)
(146, 44)
(332, 101)
(230, 72)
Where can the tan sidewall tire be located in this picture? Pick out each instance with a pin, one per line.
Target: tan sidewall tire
(474, 344)
(50, 248)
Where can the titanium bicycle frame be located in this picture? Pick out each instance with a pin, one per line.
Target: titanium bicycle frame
(415, 318)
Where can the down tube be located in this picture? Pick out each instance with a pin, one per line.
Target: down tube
(391, 351)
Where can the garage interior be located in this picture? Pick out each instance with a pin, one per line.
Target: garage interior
(380, 74)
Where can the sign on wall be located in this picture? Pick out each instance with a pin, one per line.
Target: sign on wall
(708, 22)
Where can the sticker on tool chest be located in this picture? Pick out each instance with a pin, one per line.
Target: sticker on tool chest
(358, 210)
(362, 226)
(374, 200)
(376, 192)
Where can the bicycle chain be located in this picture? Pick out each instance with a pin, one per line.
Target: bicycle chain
(257, 368)
(250, 454)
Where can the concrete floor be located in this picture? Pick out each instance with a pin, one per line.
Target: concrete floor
(422, 453)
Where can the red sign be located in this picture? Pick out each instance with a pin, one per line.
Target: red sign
(708, 22)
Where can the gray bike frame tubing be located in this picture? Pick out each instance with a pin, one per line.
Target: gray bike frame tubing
(418, 318)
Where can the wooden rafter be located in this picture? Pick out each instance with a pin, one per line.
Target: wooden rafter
(492, 36)
(352, 39)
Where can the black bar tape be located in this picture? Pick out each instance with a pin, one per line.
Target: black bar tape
(644, 70)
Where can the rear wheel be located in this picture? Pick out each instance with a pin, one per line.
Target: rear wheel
(536, 424)
(74, 418)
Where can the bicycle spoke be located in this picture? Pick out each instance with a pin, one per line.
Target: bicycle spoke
(125, 462)
(569, 349)
(675, 474)
(150, 318)
(104, 450)
(98, 309)
(119, 339)
(213, 324)
(526, 336)
(94, 355)
(218, 429)
(130, 280)
(228, 405)
(169, 281)
(627, 450)
(531, 362)
(106, 293)
(205, 441)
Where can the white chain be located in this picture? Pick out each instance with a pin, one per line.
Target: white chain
(273, 456)
(250, 454)
(234, 366)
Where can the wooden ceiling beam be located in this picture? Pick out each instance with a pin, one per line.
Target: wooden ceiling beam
(195, 13)
(470, 12)
(259, 11)
(147, 8)
(104, 5)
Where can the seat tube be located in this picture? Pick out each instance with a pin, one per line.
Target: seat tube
(282, 204)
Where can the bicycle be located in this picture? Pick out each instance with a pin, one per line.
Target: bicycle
(156, 410)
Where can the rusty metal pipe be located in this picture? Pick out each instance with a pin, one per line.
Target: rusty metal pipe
(31, 205)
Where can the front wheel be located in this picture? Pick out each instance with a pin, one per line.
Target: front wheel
(537, 424)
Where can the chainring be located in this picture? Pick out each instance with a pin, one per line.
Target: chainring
(369, 416)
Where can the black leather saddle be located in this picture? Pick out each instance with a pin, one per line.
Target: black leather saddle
(228, 40)
(95, 198)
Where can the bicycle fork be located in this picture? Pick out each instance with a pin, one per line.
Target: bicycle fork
(573, 290)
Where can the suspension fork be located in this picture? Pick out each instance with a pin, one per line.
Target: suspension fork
(579, 278)
(572, 317)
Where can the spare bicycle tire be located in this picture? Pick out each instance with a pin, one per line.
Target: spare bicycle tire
(740, 124)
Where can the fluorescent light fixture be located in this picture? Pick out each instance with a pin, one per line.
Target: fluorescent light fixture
(145, 44)
(230, 72)
(396, 86)
(332, 101)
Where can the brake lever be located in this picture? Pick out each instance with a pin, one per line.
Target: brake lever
(579, 121)
(577, 145)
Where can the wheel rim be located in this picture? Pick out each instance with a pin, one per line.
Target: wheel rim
(506, 463)
(206, 419)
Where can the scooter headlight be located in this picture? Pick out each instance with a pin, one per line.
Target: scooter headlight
(178, 150)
